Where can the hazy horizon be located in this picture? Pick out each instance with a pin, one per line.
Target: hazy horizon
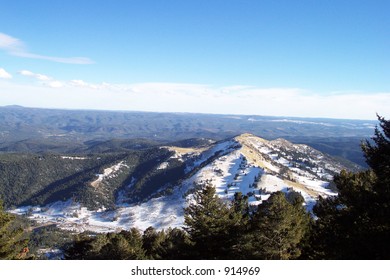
(184, 113)
(296, 59)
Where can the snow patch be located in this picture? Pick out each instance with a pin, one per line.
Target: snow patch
(73, 158)
(163, 165)
(221, 148)
(108, 172)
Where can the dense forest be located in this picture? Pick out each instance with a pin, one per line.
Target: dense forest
(40, 179)
(353, 225)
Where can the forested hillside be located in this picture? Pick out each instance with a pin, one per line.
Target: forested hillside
(31, 179)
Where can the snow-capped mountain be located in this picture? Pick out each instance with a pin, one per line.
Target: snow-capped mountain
(248, 164)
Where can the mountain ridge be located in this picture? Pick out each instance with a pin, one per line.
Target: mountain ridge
(156, 193)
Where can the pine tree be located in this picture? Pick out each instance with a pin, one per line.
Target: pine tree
(356, 223)
(176, 245)
(208, 222)
(240, 218)
(12, 243)
(152, 243)
(126, 245)
(85, 247)
(378, 154)
(277, 228)
(240, 208)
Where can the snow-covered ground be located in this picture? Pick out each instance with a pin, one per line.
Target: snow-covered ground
(162, 212)
(247, 164)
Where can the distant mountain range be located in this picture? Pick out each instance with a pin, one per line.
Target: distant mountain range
(81, 131)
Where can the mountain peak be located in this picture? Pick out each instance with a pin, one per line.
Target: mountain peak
(245, 136)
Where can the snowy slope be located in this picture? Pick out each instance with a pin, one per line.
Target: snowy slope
(246, 163)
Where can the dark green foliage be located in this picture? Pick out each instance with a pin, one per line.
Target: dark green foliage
(220, 231)
(152, 243)
(41, 179)
(48, 238)
(344, 227)
(209, 224)
(277, 229)
(176, 245)
(130, 245)
(116, 145)
(12, 241)
(378, 155)
(32, 179)
(86, 247)
(125, 245)
(150, 178)
(240, 215)
(356, 224)
(167, 244)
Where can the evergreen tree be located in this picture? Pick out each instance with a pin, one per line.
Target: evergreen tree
(240, 215)
(126, 245)
(209, 224)
(356, 223)
(378, 154)
(176, 245)
(85, 247)
(12, 243)
(277, 228)
(240, 209)
(152, 243)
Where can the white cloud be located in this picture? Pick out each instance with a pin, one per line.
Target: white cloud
(78, 83)
(26, 73)
(40, 77)
(55, 84)
(4, 74)
(83, 84)
(16, 47)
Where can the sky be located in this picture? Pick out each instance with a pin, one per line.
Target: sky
(303, 58)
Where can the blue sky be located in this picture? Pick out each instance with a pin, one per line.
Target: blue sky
(291, 58)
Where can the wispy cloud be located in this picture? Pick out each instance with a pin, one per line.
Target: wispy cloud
(4, 74)
(16, 47)
(44, 79)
